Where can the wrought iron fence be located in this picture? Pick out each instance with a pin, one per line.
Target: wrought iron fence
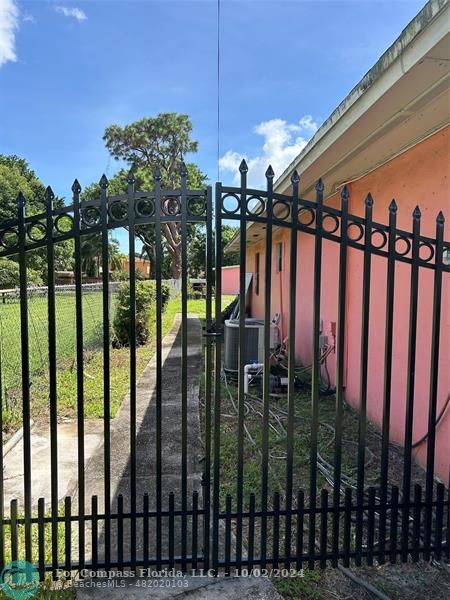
(202, 524)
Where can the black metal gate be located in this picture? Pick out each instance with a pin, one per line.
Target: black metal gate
(263, 523)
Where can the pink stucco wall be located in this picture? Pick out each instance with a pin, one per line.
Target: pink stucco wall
(418, 176)
(230, 280)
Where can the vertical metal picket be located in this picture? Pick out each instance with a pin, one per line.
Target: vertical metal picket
(94, 531)
(158, 388)
(389, 327)
(184, 364)
(41, 538)
(217, 381)
(411, 370)
(340, 369)
(362, 417)
(291, 368)
(77, 224)
(434, 371)
(241, 361)
(106, 368)
(266, 368)
(25, 356)
(132, 338)
(299, 529)
(208, 380)
(51, 316)
(315, 372)
(68, 534)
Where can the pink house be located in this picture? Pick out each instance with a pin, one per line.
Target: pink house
(391, 137)
(230, 280)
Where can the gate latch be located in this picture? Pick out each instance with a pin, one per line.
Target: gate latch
(212, 333)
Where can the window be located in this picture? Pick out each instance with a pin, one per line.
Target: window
(257, 273)
(279, 257)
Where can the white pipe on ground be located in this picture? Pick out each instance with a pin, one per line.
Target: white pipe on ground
(247, 369)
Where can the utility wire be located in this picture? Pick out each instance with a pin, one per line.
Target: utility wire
(218, 89)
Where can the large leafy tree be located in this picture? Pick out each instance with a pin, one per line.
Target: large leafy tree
(228, 233)
(152, 143)
(16, 176)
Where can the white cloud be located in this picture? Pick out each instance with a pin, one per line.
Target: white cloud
(28, 18)
(75, 13)
(9, 19)
(283, 141)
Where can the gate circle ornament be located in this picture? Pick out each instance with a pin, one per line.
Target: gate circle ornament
(259, 206)
(9, 238)
(118, 210)
(304, 211)
(64, 223)
(90, 216)
(171, 206)
(236, 200)
(196, 206)
(428, 257)
(358, 227)
(36, 232)
(407, 245)
(335, 223)
(284, 212)
(382, 238)
(145, 207)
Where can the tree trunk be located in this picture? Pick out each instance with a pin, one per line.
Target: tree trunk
(172, 234)
(175, 261)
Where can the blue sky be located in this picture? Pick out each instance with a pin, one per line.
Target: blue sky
(69, 69)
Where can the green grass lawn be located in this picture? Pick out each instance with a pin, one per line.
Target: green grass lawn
(38, 332)
(67, 368)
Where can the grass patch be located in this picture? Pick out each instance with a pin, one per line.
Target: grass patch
(93, 371)
(304, 587)
(38, 331)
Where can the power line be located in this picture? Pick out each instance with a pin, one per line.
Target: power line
(218, 89)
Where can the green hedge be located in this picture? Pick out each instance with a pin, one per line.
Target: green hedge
(145, 309)
(9, 275)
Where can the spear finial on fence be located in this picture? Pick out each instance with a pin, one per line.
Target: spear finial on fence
(416, 213)
(440, 218)
(243, 168)
(345, 193)
(295, 178)
(393, 206)
(103, 182)
(49, 195)
(319, 186)
(183, 169)
(157, 174)
(269, 173)
(369, 200)
(76, 187)
(130, 176)
(20, 201)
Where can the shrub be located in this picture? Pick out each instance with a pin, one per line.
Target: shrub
(145, 308)
(9, 275)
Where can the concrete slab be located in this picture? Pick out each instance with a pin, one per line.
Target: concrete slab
(40, 453)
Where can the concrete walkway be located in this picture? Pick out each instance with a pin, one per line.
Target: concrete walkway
(168, 586)
(146, 446)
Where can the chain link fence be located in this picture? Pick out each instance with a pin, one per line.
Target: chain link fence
(10, 340)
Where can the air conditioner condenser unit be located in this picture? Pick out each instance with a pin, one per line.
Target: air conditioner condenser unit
(254, 342)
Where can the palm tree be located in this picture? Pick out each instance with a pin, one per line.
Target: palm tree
(91, 255)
